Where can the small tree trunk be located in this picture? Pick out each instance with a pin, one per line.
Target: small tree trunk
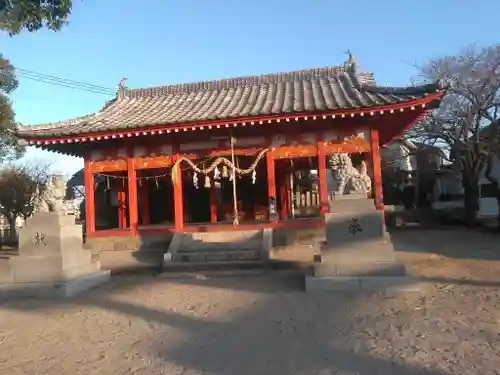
(471, 197)
(12, 229)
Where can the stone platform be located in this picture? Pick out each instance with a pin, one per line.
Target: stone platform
(358, 254)
(55, 289)
(52, 261)
(235, 249)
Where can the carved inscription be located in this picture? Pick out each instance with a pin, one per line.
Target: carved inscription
(39, 239)
(355, 227)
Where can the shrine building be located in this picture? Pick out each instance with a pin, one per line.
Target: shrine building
(241, 153)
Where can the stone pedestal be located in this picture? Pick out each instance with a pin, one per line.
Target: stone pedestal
(52, 261)
(358, 253)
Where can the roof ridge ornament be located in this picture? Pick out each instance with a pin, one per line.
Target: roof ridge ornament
(351, 63)
(122, 88)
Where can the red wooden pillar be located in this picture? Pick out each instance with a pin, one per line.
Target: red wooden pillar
(377, 169)
(133, 206)
(213, 203)
(89, 198)
(323, 182)
(122, 207)
(144, 192)
(271, 176)
(283, 192)
(369, 170)
(178, 196)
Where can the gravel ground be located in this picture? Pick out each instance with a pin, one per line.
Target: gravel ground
(267, 325)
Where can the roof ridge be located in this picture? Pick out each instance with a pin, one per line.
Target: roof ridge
(228, 83)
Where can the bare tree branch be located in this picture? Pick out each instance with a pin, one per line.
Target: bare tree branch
(467, 120)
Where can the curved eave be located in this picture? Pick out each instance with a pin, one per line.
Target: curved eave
(429, 102)
(403, 91)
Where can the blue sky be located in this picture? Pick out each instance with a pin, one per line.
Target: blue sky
(159, 42)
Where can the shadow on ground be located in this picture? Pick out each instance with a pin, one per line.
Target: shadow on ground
(459, 244)
(270, 326)
(277, 330)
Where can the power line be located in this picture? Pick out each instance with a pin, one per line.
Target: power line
(42, 76)
(62, 82)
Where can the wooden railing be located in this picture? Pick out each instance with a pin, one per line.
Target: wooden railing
(306, 199)
(306, 203)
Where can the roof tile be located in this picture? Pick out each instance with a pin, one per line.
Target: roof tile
(313, 90)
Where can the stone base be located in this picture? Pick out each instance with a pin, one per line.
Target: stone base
(373, 258)
(233, 240)
(51, 268)
(129, 253)
(358, 254)
(372, 284)
(56, 289)
(211, 249)
(232, 265)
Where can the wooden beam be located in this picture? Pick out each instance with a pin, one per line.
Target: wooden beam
(89, 198)
(178, 196)
(377, 169)
(284, 173)
(281, 152)
(133, 206)
(213, 204)
(118, 165)
(287, 152)
(271, 180)
(349, 147)
(323, 183)
(153, 162)
(122, 208)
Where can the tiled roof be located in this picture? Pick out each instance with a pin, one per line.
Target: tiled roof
(304, 91)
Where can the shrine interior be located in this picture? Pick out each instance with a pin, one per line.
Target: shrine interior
(209, 199)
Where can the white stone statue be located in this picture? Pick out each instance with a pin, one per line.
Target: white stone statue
(347, 178)
(40, 204)
(54, 194)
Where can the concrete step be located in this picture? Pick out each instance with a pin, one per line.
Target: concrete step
(373, 268)
(176, 266)
(224, 236)
(359, 252)
(217, 241)
(293, 253)
(208, 274)
(390, 285)
(357, 257)
(82, 270)
(216, 256)
(297, 237)
(216, 246)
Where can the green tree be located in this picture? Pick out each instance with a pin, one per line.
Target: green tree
(9, 147)
(16, 16)
(32, 15)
